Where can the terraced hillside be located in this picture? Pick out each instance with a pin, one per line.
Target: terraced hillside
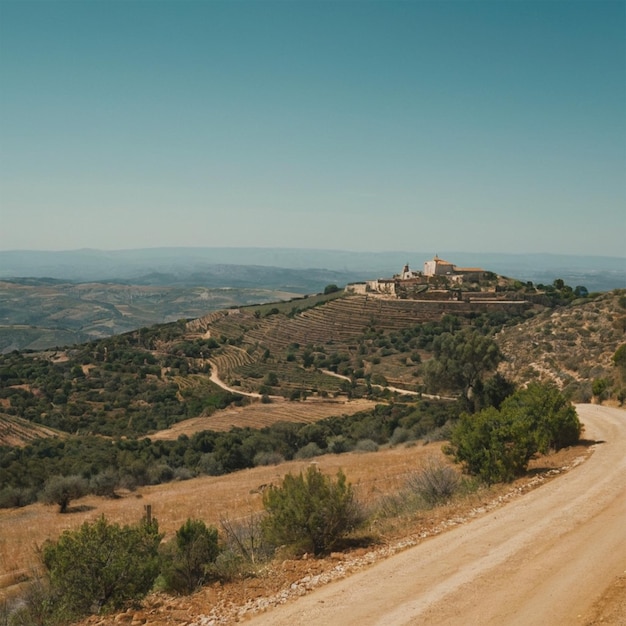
(148, 380)
(341, 320)
(348, 335)
(18, 432)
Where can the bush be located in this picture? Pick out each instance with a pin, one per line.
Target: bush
(552, 420)
(308, 451)
(62, 490)
(310, 512)
(244, 539)
(183, 473)
(400, 435)
(34, 606)
(105, 483)
(435, 483)
(493, 445)
(11, 497)
(101, 566)
(210, 464)
(339, 444)
(160, 473)
(366, 445)
(268, 458)
(188, 558)
(599, 387)
(619, 358)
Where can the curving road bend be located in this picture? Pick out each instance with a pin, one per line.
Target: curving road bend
(542, 559)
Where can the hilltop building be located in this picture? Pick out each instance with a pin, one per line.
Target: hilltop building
(409, 283)
(439, 267)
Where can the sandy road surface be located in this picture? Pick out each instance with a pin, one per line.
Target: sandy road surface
(541, 560)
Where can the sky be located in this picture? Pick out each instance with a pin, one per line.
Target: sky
(486, 126)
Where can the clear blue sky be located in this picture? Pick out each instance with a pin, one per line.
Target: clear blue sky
(364, 125)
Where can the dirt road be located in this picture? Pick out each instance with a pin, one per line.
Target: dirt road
(541, 560)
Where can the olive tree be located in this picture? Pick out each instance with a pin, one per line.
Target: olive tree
(62, 490)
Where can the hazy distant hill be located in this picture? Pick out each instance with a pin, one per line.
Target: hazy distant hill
(278, 268)
(42, 313)
(49, 299)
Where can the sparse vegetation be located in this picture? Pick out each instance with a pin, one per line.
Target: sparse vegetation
(435, 483)
(101, 466)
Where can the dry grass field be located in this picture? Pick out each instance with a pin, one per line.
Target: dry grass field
(234, 497)
(259, 415)
(210, 498)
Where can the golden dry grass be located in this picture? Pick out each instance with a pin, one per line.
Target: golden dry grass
(209, 498)
(235, 497)
(259, 415)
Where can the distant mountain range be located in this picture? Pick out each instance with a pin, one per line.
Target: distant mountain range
(290, 269)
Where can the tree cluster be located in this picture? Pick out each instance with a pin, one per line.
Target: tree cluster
(497, 444)
(101, 466)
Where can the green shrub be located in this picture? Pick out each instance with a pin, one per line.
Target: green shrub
(308, 451)
(487, 445)
(11, 497)
(599, 388)
(105, 483)
(551, 418)
(339, 444)
(101, 566)
(188, 558)
(619, 358)
(160, 473)
(399, 435)
(268, 458)
(366, 445)
(310, 512)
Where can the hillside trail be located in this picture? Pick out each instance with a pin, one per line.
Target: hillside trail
(543, 559)
(215, 378)
(398, 390)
